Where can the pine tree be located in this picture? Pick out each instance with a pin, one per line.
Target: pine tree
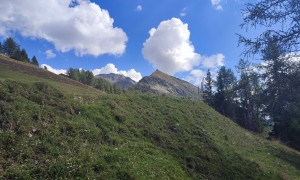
(17, 55)
(249, 92)
(24, 56)
(268, 14)
(1, 48)
(207, 88)
(34, 61)
(10, 47)
(225, 95)
(279, 88)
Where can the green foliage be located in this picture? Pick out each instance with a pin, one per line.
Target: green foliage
(277, 47)
(103, 85)
(34, 61)
(85, 77)
(225, 95)
(208, 91)
(10, 47)
(1, 48)
(17, 55)
(73, 74)
(281, 92)
(24, 56)
(250, 103)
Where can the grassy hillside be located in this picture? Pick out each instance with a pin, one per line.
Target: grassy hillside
(50, 129)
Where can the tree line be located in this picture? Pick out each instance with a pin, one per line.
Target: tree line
(13, 50)
(88, 78)
(268, 93)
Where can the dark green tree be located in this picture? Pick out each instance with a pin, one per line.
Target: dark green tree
(103, 85)
(81, 75)
(207, 89)
(24, 56)
(1, 48)
(34, 61)
(224, 98)
(249, 98)
(73, 74)
(280, 88)
(10, 47)
(87, 77)
(17, 55)
(277, 45)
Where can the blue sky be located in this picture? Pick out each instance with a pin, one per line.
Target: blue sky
(113, 35)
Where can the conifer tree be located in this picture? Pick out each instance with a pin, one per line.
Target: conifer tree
(1, 48)
(34, 61)
(10, 47)
(24, 56)
(207, 88)
(225, 95)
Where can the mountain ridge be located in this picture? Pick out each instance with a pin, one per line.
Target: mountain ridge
(162, 83)
(118, 79)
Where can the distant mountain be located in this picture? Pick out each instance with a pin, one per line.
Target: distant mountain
(118, 79)
(161, 83)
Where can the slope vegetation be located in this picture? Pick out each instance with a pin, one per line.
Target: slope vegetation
(47, 132)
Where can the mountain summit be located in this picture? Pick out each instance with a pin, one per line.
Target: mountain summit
(161, 83)
(118, 79)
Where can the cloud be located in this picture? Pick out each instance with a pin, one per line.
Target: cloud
(111, 68)
(136, 76)
(50, 54)
(169, 48)
(196, 77)
(183, 12)
(212, 61)
(139, 8)
(55, 71)
(217, 4)
(81, 26)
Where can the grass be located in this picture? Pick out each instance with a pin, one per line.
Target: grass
(49, 130)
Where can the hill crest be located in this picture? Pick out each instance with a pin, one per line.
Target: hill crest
(162, 83)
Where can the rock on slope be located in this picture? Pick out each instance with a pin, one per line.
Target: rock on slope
(161, 83)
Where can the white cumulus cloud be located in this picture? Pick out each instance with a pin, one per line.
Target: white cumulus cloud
(196, 77)
(139, 8)
(84, 27)
(169, 48)
(212, 61)
(50, 54)
(55, 71)
(111, 68)
(217, 4)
